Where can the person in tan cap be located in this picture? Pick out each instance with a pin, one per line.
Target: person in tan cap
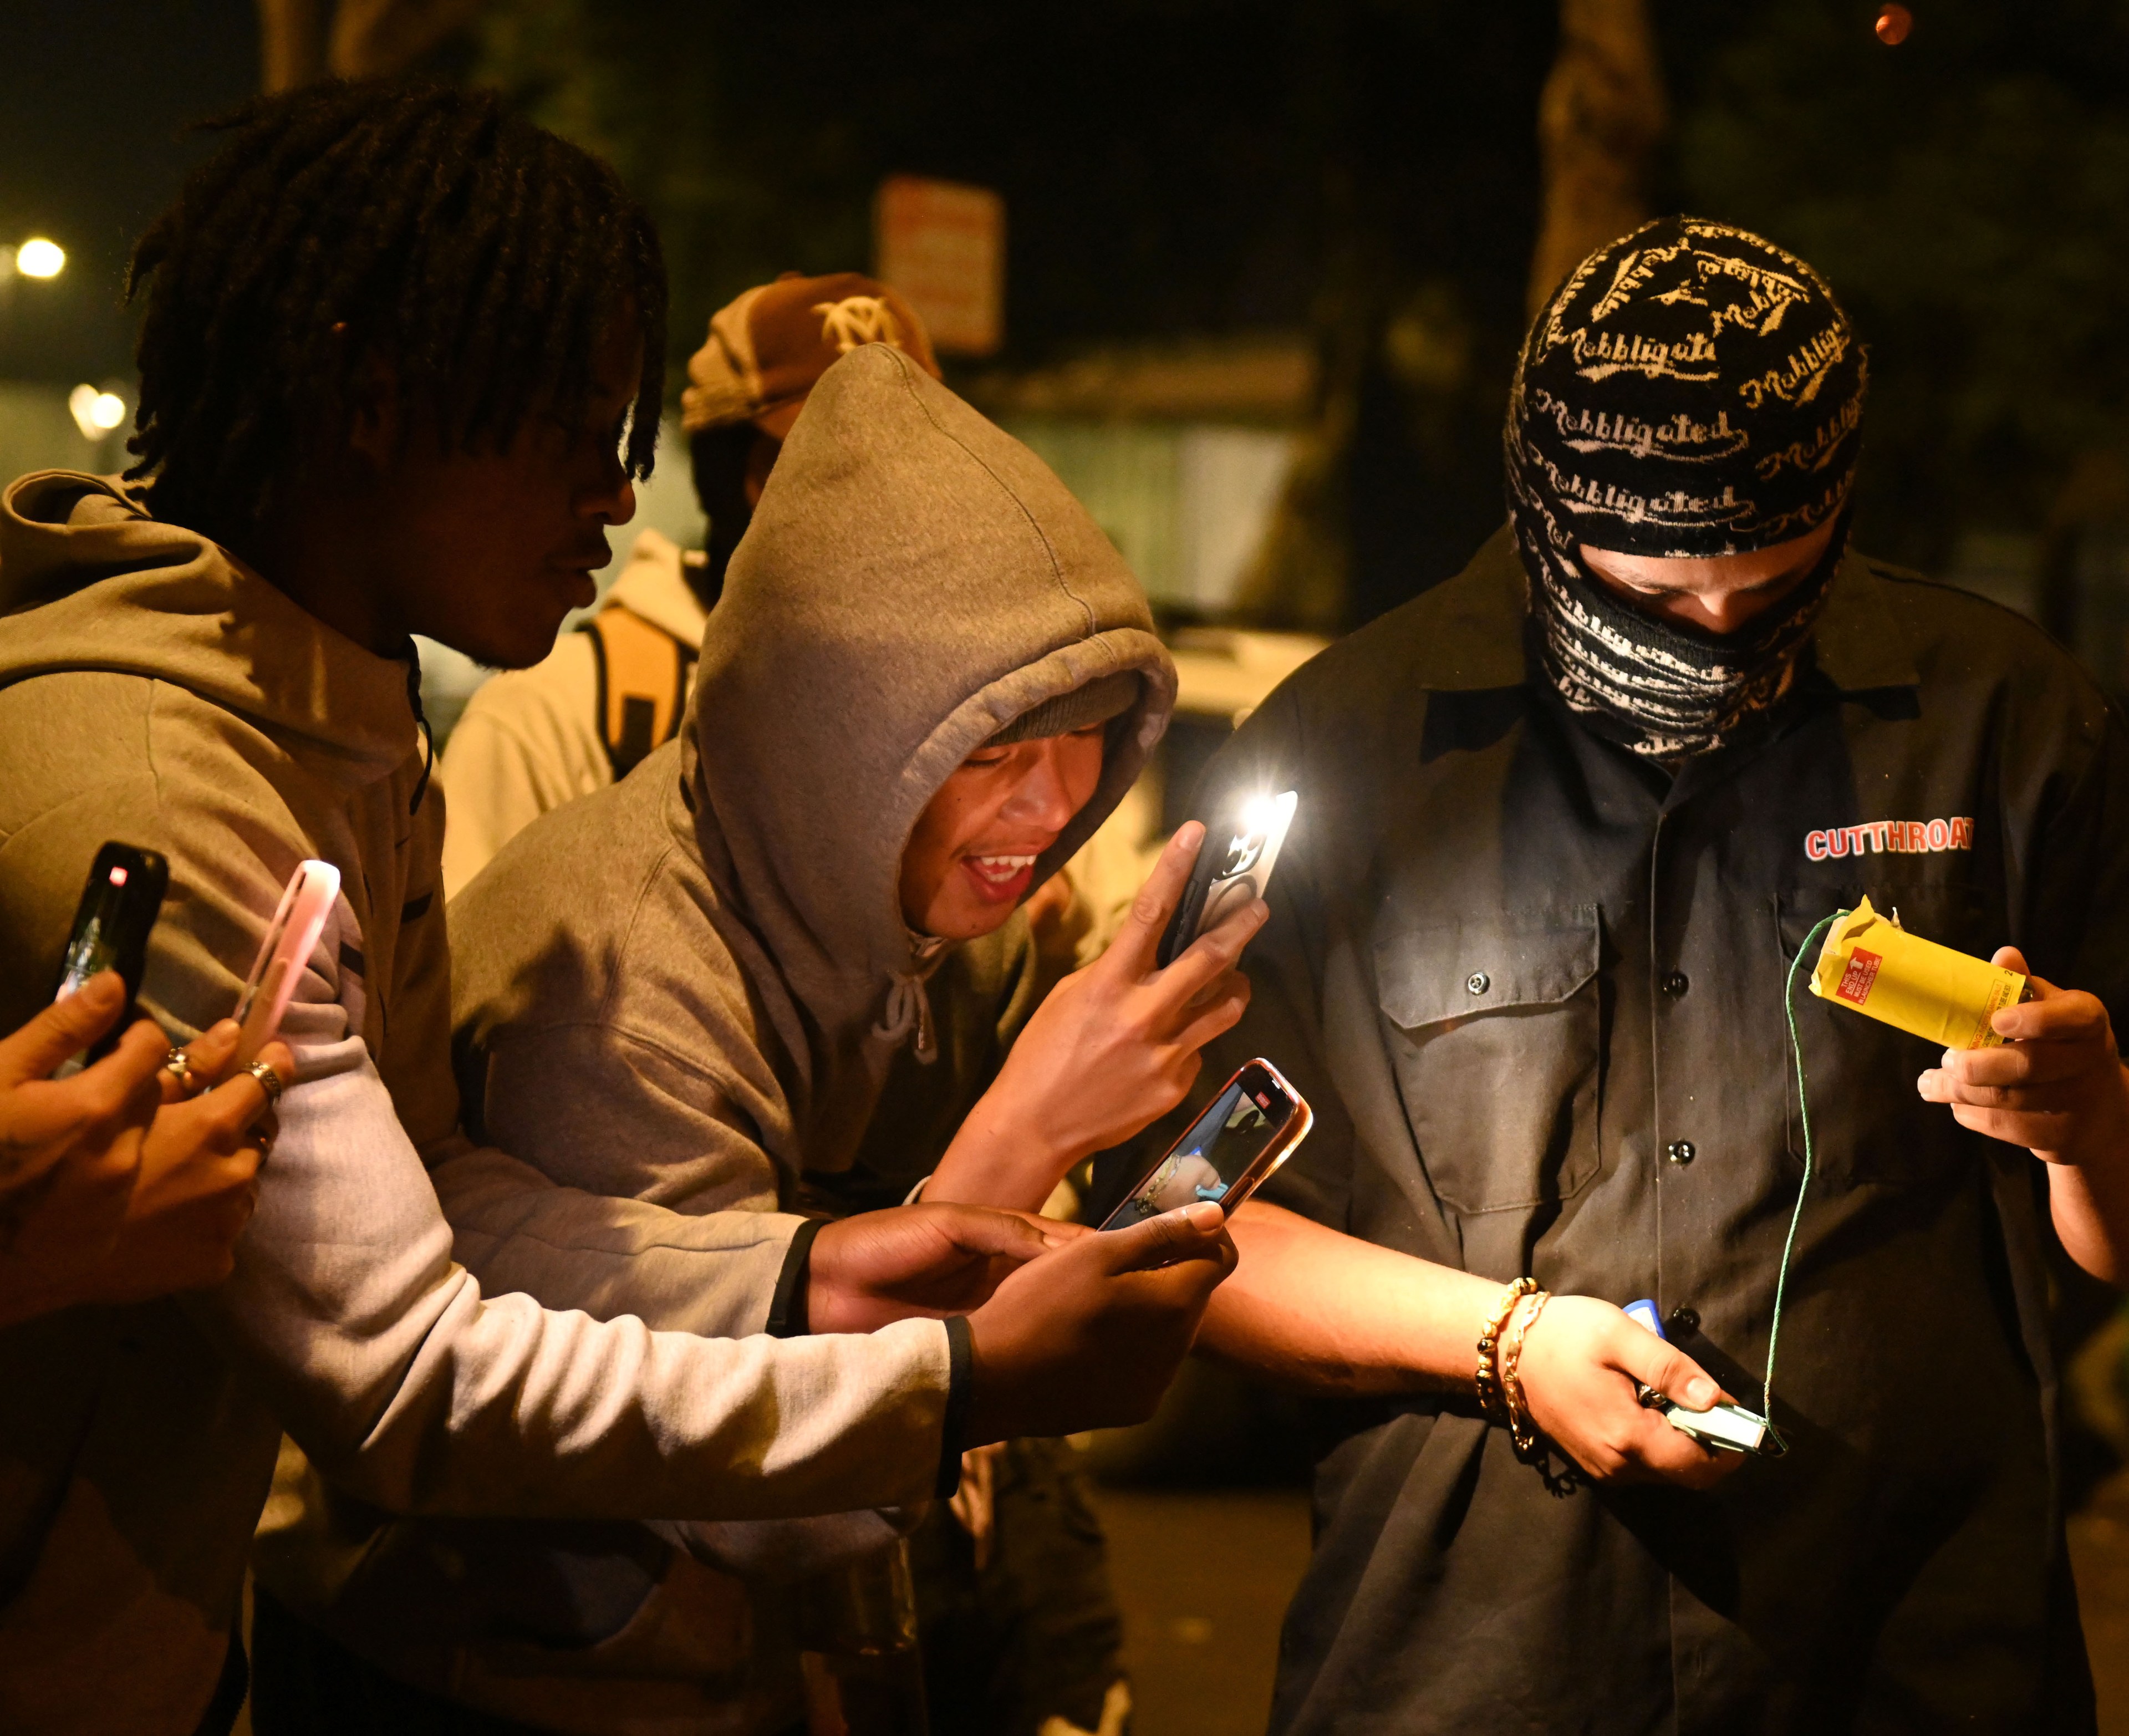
(748, 383)
(531, 740)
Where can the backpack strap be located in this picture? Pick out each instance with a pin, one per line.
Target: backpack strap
(643, 672)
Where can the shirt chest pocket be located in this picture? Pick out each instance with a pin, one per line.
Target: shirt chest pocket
(1494, 1026)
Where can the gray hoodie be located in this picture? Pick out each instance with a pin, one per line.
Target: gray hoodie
(695, 986)
(155, 690)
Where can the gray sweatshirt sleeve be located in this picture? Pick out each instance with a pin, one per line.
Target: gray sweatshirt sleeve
(713, 1274)
(413, 1391)
(404, 1378)
(632, 1186)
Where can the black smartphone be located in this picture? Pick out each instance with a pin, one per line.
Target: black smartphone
(1234, 865)
(1246, 1133)
(119, 905)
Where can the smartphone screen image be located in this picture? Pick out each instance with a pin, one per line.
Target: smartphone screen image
(1246, 1133)
(120, 901)
(93, 946)
(1234, 865)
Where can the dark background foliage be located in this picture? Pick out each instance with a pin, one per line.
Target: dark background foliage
(1362, 170)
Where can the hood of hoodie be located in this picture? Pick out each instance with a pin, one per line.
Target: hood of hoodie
(913, 580)
(88, 580)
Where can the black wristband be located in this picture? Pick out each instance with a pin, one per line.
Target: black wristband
(787, 1308)
(961, 1378)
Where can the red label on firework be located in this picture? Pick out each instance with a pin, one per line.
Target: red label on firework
(1855, 981)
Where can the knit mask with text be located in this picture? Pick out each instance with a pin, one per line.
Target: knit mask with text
(1692, 390)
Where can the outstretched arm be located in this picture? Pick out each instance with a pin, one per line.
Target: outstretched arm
(1331, 1313)
(2057, 1086)
(1335, 1314)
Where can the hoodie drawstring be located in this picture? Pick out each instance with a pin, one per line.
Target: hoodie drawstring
(908, 1002)
(908, 1008)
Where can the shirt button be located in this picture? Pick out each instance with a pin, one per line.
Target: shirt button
(1680, 1152)
(1478, 982)
(1676, 984)
(1683, 1320)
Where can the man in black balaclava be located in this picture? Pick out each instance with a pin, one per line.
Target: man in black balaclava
(1692, 395)
(1564, 822)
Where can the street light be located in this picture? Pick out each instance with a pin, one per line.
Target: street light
(95, 413)
(38, 257)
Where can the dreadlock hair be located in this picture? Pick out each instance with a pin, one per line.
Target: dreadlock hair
(480, 256)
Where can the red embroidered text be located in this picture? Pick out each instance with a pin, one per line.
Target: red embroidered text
(1889, 837)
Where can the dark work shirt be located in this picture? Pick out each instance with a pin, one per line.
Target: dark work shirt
(1534, 988)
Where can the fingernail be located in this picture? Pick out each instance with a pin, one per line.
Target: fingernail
(1700, 1393)
(103, 990)
(1203, 1214)
(1922, 1084)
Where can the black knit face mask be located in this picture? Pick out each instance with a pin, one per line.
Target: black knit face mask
(1691, 390)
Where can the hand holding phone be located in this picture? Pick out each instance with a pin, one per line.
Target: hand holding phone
(1089, 1335)
(111, 1204)
(1234, 865)
(1113, 1048)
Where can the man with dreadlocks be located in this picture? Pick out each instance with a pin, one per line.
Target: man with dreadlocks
(608, 694)
(402, 355)
(1565, 822)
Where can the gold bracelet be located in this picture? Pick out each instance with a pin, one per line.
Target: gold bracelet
(1488, 1377)
(1521, 1429)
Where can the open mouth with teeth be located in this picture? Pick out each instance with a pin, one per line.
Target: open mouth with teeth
(999, 879)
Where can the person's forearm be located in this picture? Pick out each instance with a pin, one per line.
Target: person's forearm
(711, 1273)
(1327, 1311)
(2091, 1213)
(384, 1360)
(996, 1159)
(2088, 1196)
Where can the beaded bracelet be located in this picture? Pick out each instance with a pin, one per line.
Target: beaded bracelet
(1521, 1430)
(1491, 1398)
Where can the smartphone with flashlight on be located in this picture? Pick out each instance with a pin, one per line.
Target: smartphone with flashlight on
(119, 904)
(1234, 865)
(298, 920)
(1246, 1133)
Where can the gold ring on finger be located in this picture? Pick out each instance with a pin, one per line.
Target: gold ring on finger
(269, 1081)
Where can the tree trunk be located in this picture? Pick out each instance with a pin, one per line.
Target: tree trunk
(1298, 578)
(292, 43)
(367, 39)
(1598, 119)
(374, 39)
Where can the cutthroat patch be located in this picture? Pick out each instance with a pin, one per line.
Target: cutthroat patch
(1891, 837)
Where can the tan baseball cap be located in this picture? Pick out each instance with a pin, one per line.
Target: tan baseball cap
(768, 347)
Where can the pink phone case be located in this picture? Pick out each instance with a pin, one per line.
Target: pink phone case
(290, 939)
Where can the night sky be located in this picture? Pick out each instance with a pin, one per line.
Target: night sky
(96, 95)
